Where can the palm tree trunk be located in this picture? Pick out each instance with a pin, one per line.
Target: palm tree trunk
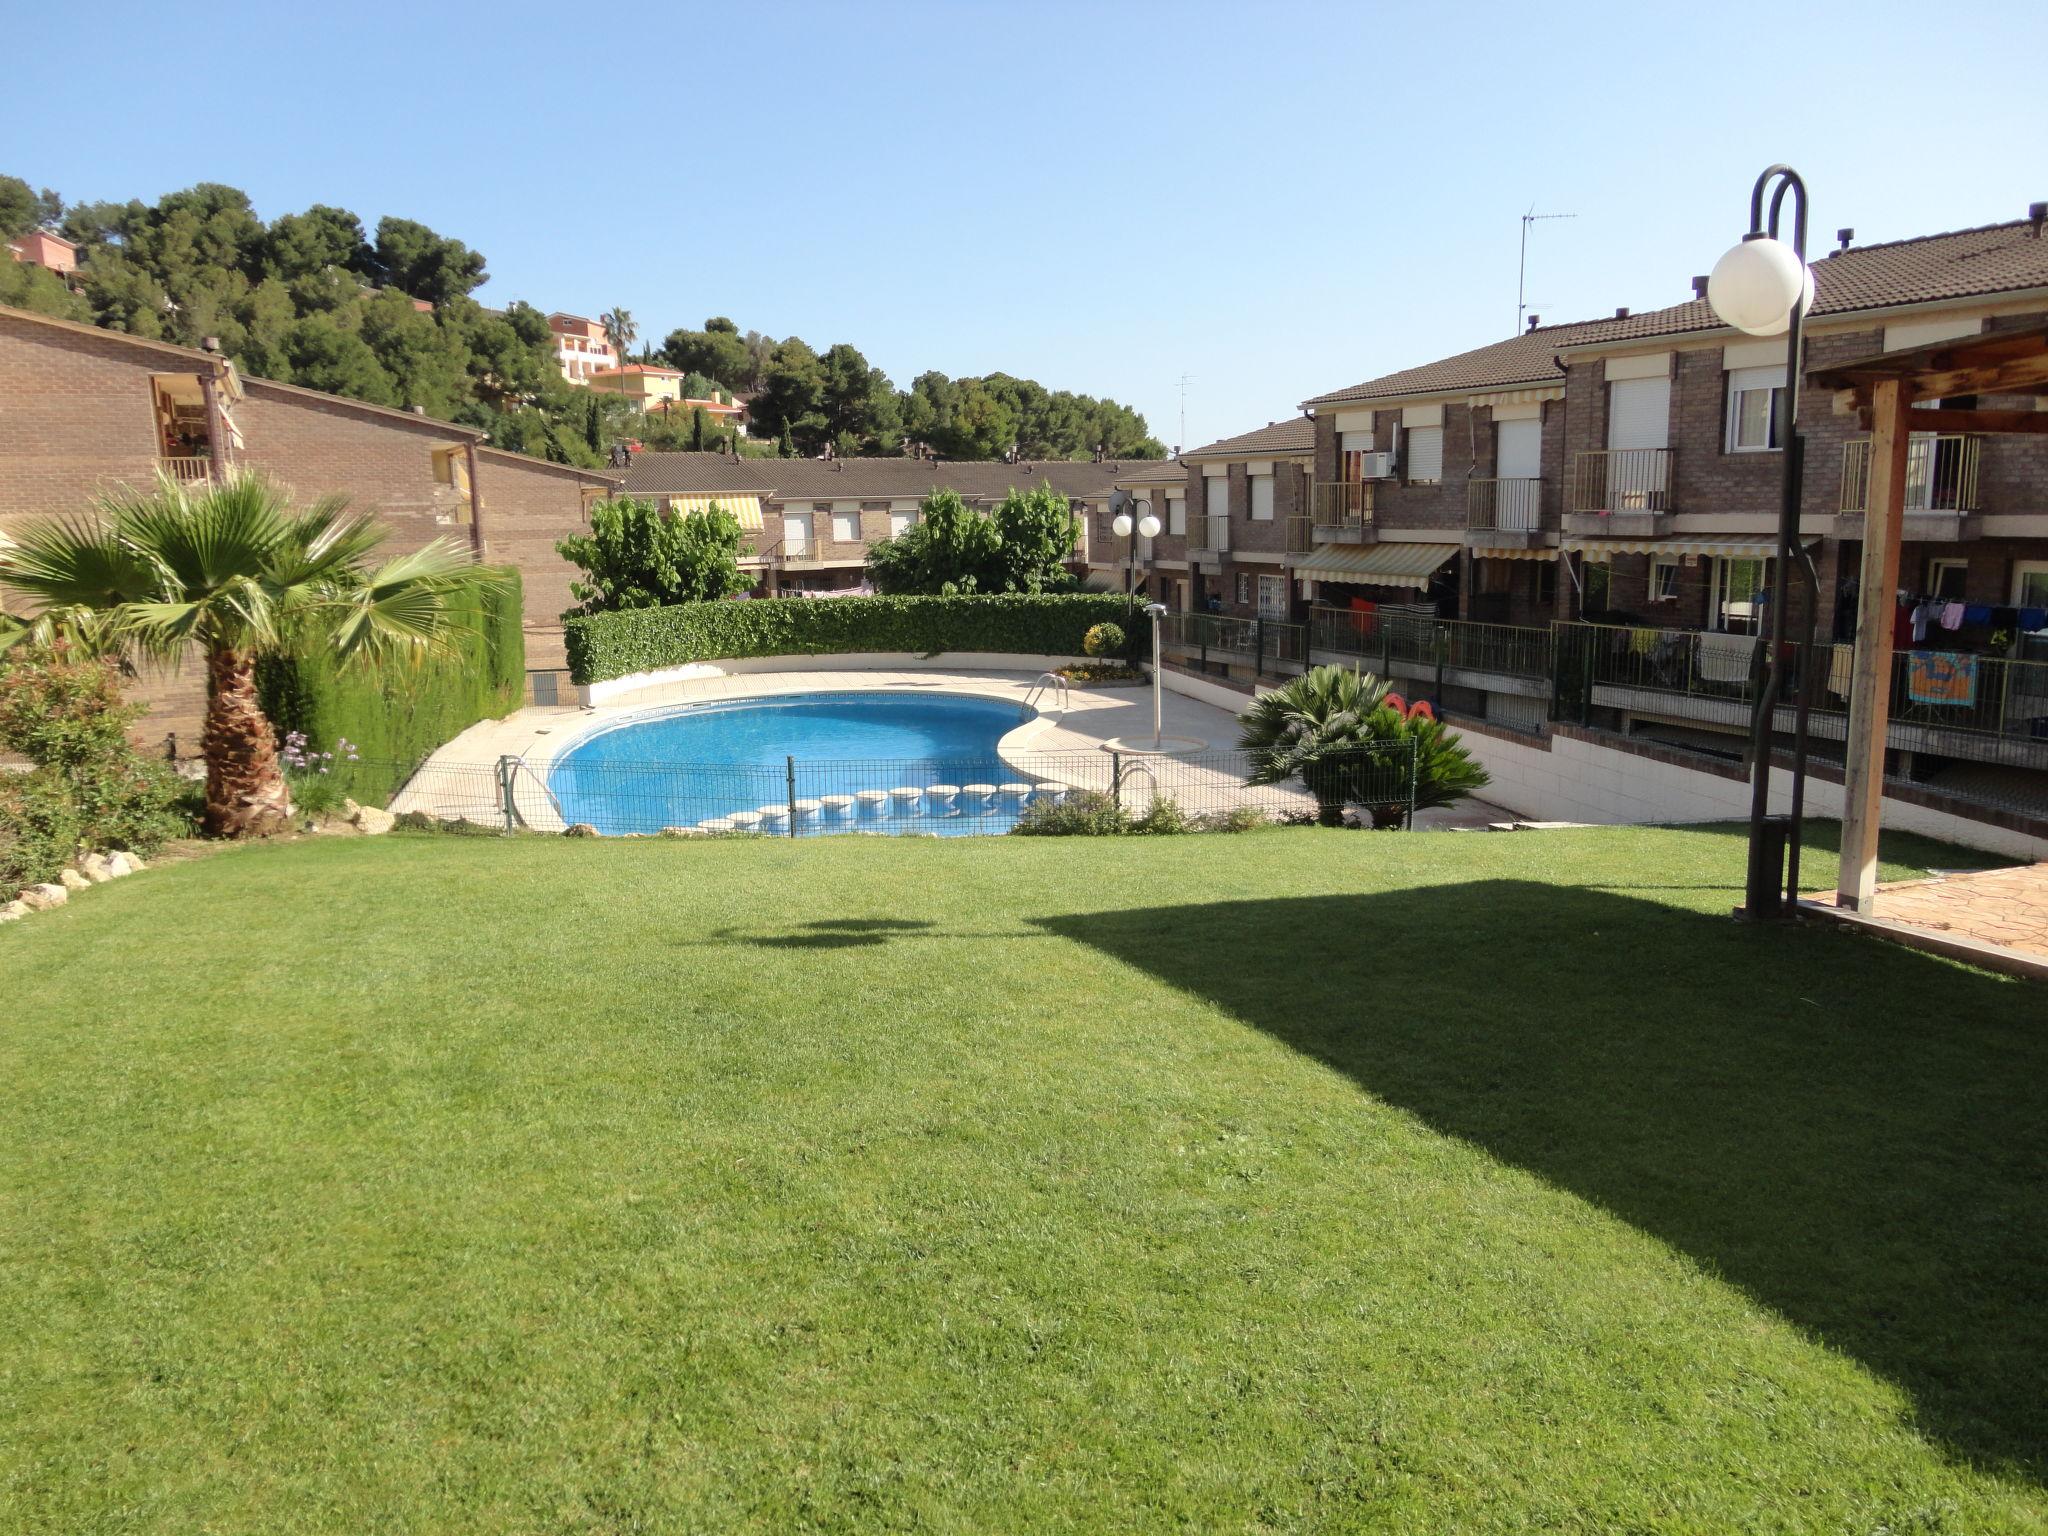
(245, 788)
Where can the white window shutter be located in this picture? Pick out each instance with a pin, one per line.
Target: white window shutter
(1639, 413)
(1262, 498)
(1425, 453)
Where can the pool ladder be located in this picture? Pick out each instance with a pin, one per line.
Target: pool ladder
(1054, 684)
(509, 770)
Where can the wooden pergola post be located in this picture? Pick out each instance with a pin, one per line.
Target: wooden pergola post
(1870, 680)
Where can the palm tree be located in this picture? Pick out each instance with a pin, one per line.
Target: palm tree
(620, 331)
(1329, 728)
(235, 570)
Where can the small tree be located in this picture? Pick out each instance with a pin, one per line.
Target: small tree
(1331, 727)
(697, 429)
(593, 425)
(637, 557)
(1038, 532)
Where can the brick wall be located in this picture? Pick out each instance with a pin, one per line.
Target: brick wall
(77, 417)
(528, 506)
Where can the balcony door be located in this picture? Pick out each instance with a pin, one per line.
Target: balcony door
(1638, 422)
(796, 535)
(1517, 462)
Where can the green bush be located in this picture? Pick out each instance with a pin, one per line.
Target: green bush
(607, 645)
(1103, 640)
(1081, 813)
(90, 787)
(40, 831)
(397, 712)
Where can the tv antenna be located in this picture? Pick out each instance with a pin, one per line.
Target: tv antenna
(1185, 380)
(1522, 270)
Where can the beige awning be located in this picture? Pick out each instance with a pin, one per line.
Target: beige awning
(744, 507)
(1598, 550)
(1376, 565)
(1540, 552)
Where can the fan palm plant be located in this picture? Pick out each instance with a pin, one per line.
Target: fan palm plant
(620, 330)
(233, 570)
(1330, 727)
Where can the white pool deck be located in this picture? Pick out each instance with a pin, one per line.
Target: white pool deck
(461, 779)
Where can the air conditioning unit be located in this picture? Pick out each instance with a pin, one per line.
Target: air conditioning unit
(1376, 466)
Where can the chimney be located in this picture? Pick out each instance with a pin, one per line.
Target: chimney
(2037, 215)
(1843, 237)
(1534, 321)
(1699, 287)
(1621, 313)
(209, 344)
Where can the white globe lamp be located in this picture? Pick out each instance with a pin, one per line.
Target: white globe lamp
(1755, 286)
(1121, 525)
(1148, 526)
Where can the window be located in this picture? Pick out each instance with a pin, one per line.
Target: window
(2030, 584)
(451, 468)
(899, 523)
(1262, 498)
(846, 527)
(1756, 409)
(796, 533)
(1425, 455)
(1244, 589)
(1273, 597)
(1947, 579)
(1546, 584)
(1177, 514)
(1739, 586)
(1216, 496)
(1352, 447)
(1599, 580)
(1663, 579)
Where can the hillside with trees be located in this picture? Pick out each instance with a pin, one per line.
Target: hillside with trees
(388, 315)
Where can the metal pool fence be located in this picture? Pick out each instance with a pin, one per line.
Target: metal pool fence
(904, 797)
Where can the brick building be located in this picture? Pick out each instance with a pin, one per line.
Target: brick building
(809, 522)
(84, 411)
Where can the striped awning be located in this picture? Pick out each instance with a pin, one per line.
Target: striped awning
(744, 507)
(1540, 552)
(1598, 550)
(1376, 565)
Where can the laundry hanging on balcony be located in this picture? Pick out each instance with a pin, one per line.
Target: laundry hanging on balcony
(1376, 565)
(1941, 677)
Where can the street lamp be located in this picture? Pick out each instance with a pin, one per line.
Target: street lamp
(1765, 288)
(1125, 526)
(1155, 612)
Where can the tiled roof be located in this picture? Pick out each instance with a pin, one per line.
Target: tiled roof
(834, 479)
(1529, 358)
(1155, 472)
(1965, 263)
(1297, 434)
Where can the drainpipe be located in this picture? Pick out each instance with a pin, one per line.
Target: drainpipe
(476, 501)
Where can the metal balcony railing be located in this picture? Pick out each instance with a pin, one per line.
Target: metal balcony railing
(1208, 532)
(1941, 472)
(1509, 505)
(1622, 480)
(187, 469)
(1504, 650)
(1935, 690)
(1266, 645)
(1343, 503)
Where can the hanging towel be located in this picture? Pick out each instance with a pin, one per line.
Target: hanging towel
(1924, 613)
(1952, 616)
(1726, 658)
(2032, 619)
(1976, 613)
(1840, 667)
(1941, 677)
(1642, 641)
(1902, 627)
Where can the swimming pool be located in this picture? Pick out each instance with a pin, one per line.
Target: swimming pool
(834, 762)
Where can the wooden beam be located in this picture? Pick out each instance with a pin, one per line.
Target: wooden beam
(2019, 374)
(1870, 676)
(1977, 421)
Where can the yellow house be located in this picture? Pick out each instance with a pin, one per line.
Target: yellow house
(646, 385)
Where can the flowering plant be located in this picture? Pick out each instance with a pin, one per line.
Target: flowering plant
(304, 768)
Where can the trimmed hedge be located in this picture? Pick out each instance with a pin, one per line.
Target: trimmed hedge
(395, 713)
(608, 645)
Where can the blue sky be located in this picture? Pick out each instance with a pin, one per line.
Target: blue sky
(1275, 200)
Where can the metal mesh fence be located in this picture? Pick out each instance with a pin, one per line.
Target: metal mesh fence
(942, 797)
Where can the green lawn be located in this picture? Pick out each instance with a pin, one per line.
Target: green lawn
(1291, 1181)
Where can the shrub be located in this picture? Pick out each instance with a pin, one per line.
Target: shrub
(1082, 813)
(397, 712)
(1163, 818)
(90, 788)
(1103, 640)
(39, 827)
(608, 645)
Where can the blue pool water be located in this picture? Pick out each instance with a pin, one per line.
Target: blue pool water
(703, 762)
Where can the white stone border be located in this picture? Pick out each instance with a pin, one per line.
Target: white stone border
(591, 695)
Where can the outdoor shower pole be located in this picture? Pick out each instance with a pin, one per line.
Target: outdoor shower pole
(1156, 612)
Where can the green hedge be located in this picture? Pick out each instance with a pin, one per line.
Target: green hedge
(397, 712)
(608, 645)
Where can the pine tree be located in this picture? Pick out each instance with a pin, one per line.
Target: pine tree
(593, 425)
(785, 444)
(697, 430)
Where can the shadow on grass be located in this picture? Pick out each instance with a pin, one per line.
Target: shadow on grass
(1851, 1132)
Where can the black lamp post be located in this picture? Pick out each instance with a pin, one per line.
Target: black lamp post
(1765, 288)
(1133, 520)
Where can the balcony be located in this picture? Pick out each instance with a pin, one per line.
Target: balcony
(1341, 511)
(186, 468)
(1941, 487)
(1504, 513)
(1208, 539)
(1621, 493)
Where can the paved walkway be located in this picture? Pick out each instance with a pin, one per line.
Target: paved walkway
(1996, 917)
